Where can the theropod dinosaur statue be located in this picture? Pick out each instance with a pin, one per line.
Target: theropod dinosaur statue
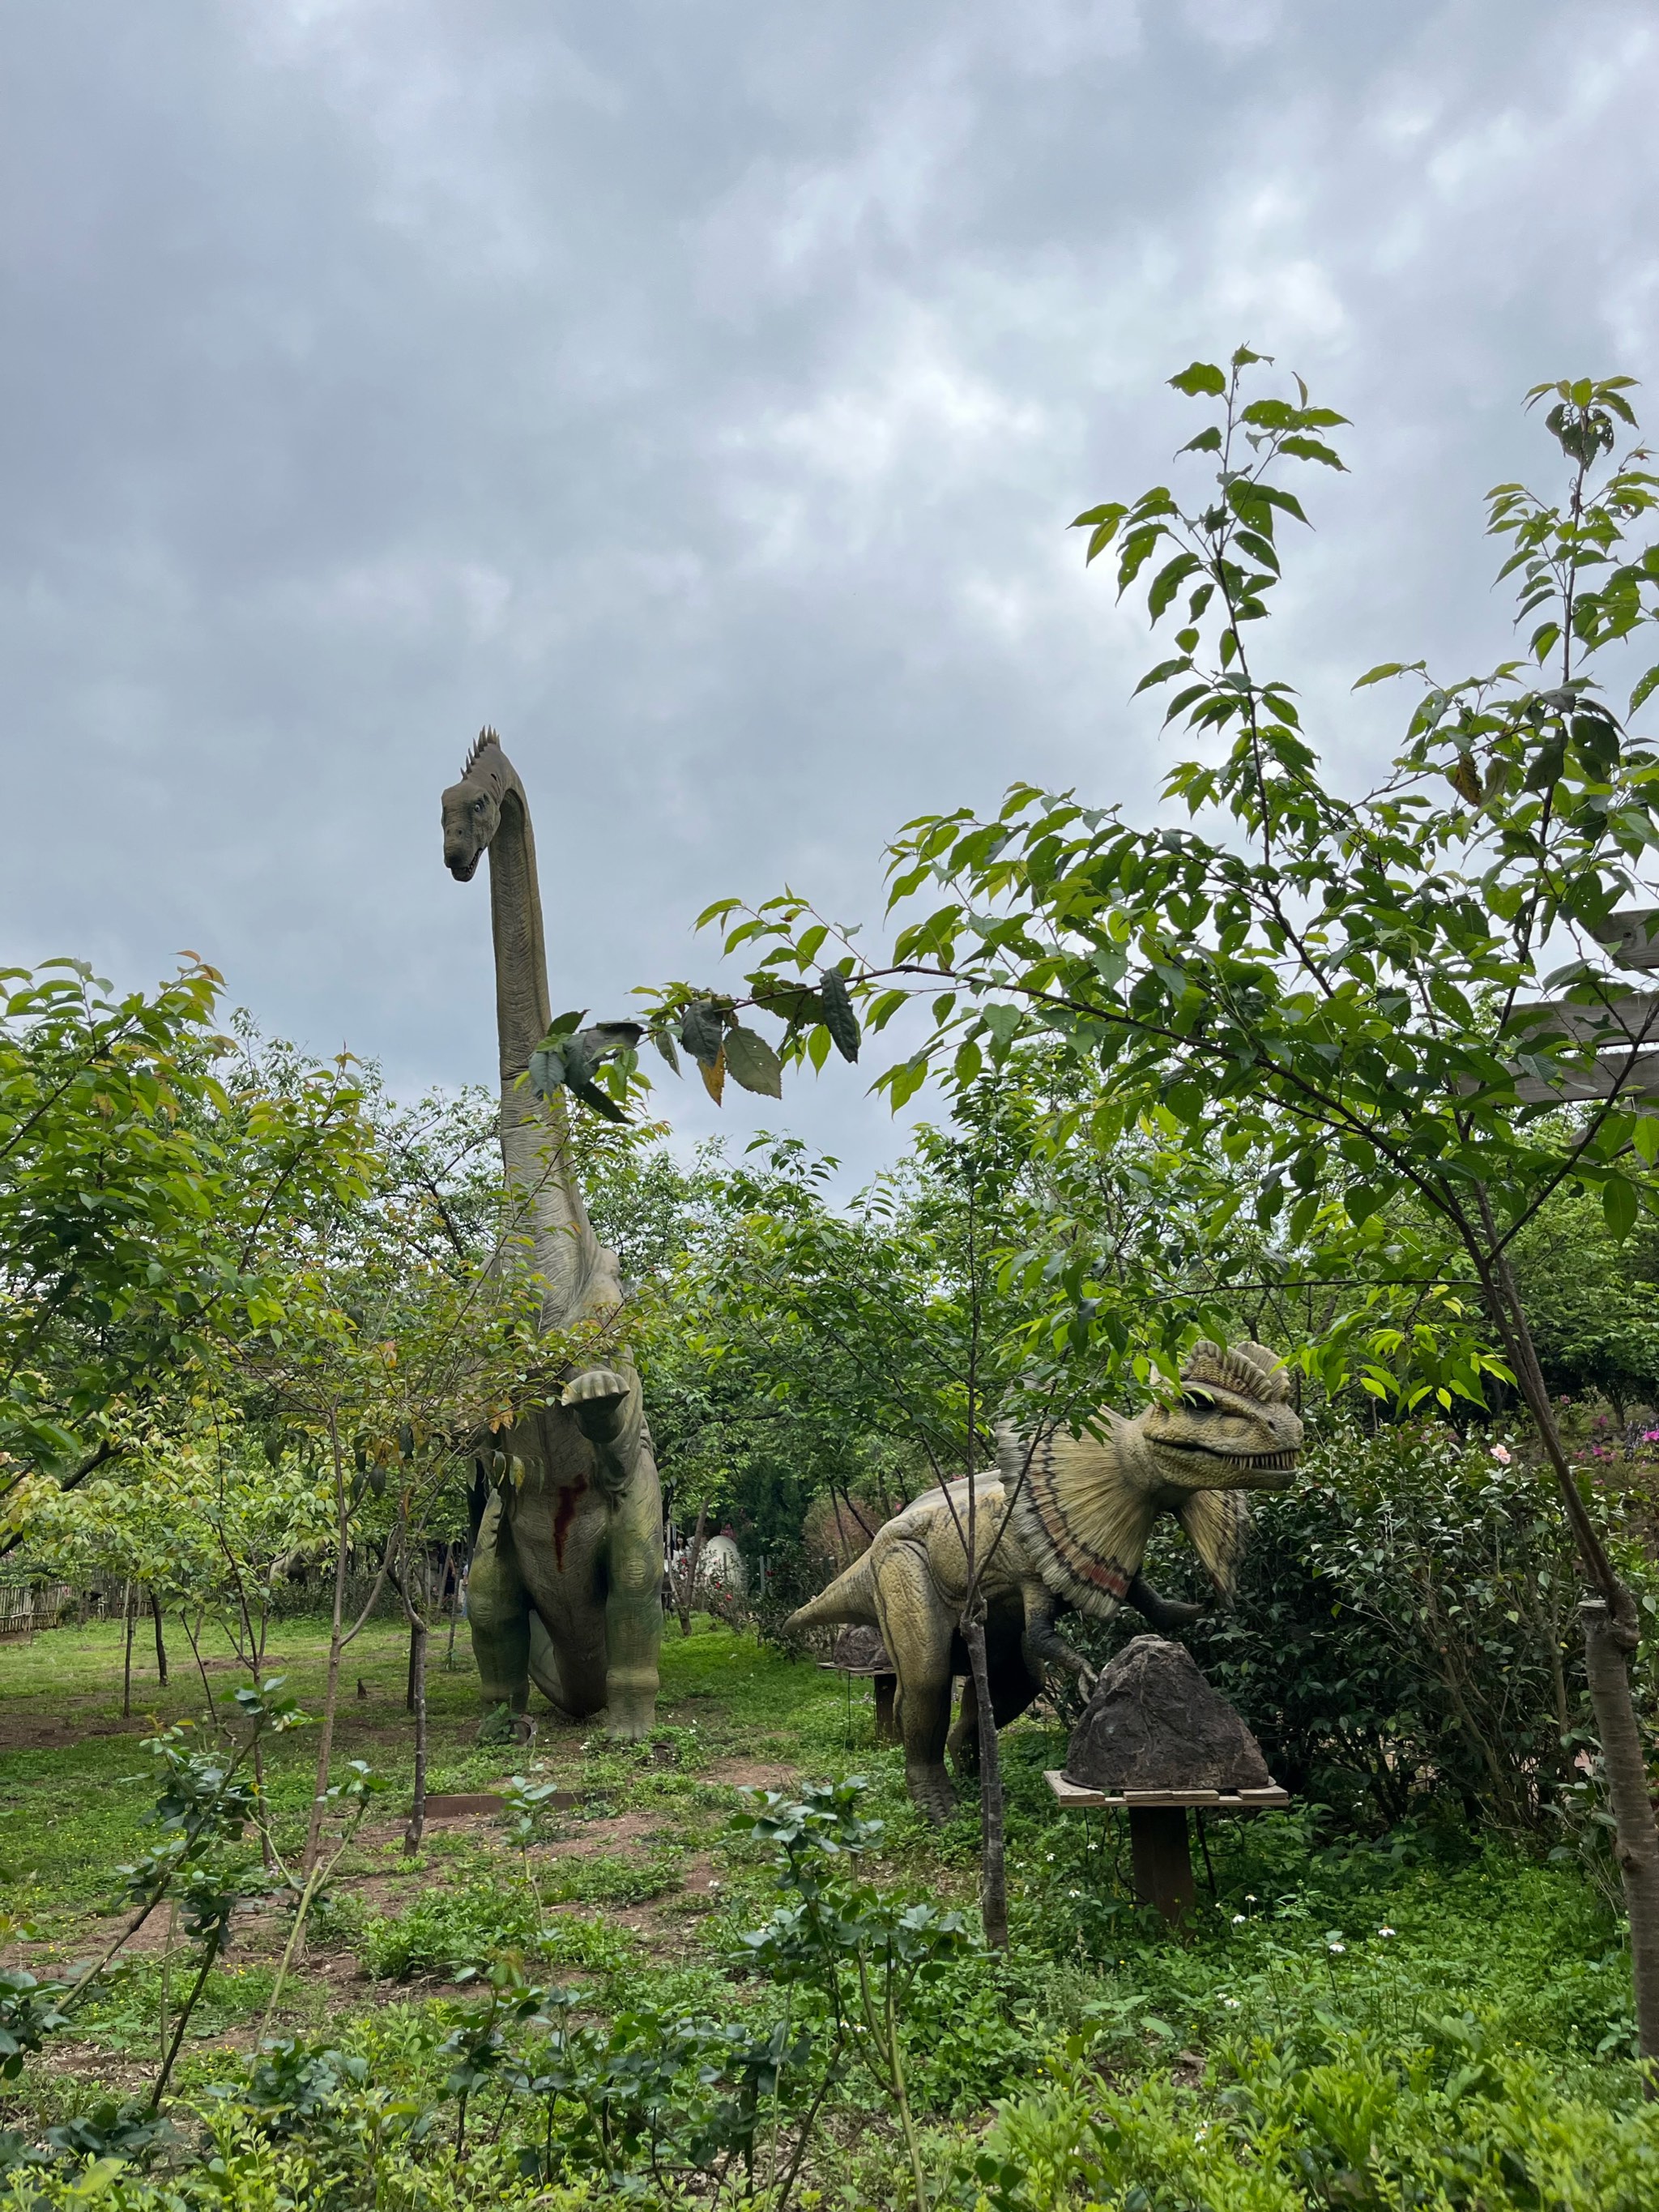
(1083, 1512)
(565, 1585)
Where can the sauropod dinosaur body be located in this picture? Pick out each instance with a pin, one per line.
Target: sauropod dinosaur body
(566, 1582)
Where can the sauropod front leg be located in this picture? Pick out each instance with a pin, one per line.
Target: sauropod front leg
(633, 1603)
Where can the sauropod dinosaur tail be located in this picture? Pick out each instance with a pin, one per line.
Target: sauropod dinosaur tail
(851, 1597)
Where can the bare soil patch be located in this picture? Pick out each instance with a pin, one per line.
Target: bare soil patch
(752, 1774)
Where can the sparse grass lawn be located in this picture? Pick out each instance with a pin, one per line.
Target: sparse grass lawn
(636, 1898)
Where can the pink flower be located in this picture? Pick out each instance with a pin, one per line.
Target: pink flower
(1501, 1454)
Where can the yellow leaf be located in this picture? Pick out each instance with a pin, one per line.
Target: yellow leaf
(714, 1074)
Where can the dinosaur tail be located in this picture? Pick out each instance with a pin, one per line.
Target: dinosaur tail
(851, 1597)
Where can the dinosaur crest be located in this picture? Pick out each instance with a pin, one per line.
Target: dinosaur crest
(1246, 1371)
(475, 753)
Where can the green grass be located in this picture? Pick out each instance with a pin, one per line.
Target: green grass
(1286, 1966)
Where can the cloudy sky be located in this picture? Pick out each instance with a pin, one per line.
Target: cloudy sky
(698, 392)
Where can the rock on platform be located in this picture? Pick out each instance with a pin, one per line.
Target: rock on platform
(1154, 1723)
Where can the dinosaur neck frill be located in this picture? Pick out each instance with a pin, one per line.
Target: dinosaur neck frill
(550, 1232)
(1082, 1518)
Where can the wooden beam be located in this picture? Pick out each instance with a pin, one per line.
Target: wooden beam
(1632, 937)
(1632, 1018)
(1639, 1081)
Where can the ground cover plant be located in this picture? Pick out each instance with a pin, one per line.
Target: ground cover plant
(628, 2002)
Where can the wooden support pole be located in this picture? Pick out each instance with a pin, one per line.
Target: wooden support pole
(1162, 1854)
(886, 1688)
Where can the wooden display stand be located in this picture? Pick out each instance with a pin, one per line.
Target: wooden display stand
(886, 1689)
(1160, 1847)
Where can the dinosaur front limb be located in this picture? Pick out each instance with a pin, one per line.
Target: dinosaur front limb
(1162, 1613)
(1043, 1646)
(605, 1405)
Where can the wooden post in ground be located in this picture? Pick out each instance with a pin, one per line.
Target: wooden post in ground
(886, 1689)
(1161, 1854)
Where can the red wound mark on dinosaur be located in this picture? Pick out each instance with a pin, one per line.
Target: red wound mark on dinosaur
(563, 1514)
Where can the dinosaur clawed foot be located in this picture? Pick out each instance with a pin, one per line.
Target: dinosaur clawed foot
(931, 1793)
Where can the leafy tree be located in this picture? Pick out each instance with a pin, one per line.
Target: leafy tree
(149, 1186)
(1344, 987)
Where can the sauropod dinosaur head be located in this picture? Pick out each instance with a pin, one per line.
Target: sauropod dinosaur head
(1233, 1426)
(472, 807)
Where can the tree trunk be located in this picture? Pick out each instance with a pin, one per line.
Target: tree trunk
(161, 1647)
(416, 1601)
(994, 1869)
(688, 1589)
(452, 1593)
(1609, 1645)
(130, 1619)
(1609, 1620)
(336, 1645)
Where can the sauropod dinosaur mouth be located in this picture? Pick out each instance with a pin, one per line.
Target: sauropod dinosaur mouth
(463, 871)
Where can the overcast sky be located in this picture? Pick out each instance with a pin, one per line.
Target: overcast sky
(699, 392)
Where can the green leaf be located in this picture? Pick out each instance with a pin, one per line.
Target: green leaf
(1646, 688)
(794, 1003)
(703, 1027)
(1162, 673)
(1168, 581)
(1645, 1138)
(752, 1062)
(1203, 378)
(1207, 441)
(600, 1101)
(1620, 1205)
(1310, 449)
(839, 1018)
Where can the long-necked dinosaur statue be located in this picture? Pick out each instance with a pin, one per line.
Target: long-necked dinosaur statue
(566, 1585)
(1083, 1509)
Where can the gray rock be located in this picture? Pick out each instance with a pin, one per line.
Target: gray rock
(1155, 1723)
(860, 1649)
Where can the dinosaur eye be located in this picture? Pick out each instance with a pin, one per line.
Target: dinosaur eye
(478, 807)
(1196, 1401)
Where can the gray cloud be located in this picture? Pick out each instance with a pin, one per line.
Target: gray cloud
(701, 394)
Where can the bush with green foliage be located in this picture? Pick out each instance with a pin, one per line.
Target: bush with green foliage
(1404, 1628)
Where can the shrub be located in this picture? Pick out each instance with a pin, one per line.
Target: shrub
(446, 1931)
(1405, 1624)
(1446, 2120)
